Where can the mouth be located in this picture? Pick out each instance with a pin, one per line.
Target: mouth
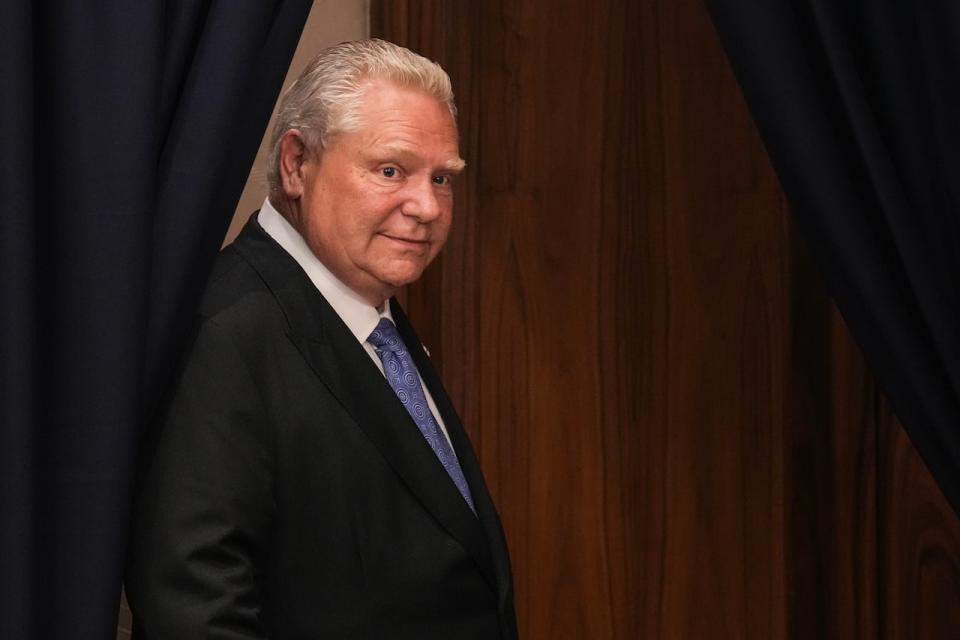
(416, 244)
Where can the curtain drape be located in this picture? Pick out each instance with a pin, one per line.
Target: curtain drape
(126, 133)
(858, 104)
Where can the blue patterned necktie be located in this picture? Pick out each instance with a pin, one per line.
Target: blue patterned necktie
(402, 375)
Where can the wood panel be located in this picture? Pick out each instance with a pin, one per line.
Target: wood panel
(830, 466)
(681, 437)
(920, 534)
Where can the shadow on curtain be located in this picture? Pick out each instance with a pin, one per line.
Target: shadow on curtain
(126, 133)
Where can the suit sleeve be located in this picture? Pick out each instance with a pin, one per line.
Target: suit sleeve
(204, 516)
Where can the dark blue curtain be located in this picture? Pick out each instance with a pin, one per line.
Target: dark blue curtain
(858, 103)
(126, 133)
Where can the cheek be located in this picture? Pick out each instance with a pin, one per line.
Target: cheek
(443, 224)
(354, 223)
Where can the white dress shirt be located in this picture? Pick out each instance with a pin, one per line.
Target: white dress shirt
(359, 316)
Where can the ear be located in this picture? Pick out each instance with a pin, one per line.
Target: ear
(293, 155)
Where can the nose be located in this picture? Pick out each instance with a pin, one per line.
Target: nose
(421, 201)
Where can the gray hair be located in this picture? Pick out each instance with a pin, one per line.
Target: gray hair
(325, 100)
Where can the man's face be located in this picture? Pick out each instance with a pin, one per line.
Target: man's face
(377, 203)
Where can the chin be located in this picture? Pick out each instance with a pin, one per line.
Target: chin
(398, 282)
(401, 275)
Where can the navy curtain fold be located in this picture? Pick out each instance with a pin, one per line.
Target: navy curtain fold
(858, 104)
(126, 134)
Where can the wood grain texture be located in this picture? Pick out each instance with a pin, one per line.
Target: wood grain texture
(830, 468)
(681, 437)
(920, 533)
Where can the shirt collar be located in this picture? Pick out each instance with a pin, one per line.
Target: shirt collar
(359, 316)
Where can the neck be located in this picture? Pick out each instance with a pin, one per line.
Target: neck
(288, 208)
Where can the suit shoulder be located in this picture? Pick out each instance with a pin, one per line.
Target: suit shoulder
(237, 299)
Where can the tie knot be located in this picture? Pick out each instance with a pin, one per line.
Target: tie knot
(386, 337)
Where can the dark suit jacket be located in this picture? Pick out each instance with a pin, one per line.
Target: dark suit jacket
(291, 496)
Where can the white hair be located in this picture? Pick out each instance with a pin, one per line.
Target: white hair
(325, 100)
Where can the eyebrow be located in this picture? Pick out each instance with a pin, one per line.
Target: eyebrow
(455, 165)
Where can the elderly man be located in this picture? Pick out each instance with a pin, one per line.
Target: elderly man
(312, 479)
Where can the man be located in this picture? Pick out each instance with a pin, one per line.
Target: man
(312, 479)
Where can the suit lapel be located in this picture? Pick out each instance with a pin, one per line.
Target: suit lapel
(486, 511)
(345, 368)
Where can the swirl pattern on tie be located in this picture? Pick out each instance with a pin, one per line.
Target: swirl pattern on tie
(401, 374)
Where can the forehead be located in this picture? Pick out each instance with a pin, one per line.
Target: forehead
(391, 116)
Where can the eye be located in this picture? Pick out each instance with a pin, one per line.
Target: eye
(389, 172)
(441, 179)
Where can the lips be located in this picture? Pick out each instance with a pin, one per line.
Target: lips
(412, 242)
